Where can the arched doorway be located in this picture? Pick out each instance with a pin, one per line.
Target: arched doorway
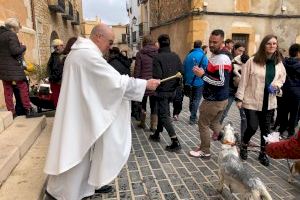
(53, 36)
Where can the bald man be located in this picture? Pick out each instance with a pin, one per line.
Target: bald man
(91, 136)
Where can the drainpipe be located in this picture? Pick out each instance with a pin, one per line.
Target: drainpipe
(34, 27)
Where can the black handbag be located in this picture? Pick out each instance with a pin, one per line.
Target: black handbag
(188, 89)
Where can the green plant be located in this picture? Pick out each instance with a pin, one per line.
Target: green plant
(39, 73)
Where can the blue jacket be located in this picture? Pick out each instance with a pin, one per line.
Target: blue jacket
(192, 59)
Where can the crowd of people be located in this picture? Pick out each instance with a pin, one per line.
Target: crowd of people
(93, 84)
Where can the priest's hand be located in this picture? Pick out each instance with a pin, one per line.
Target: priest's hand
(152, 84)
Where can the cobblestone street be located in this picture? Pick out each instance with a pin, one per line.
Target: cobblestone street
(153, 173)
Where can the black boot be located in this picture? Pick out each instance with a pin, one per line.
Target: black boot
(155, 137)
(175, 146)
(243, 152)
(31, 113)
(263, 159)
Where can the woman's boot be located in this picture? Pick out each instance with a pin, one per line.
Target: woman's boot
(143, 120)
(153, 123)
(244, 151)
(263, 158)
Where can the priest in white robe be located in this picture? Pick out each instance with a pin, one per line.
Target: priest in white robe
(91, 136)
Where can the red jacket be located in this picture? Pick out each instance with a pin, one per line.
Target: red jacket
(285, 149)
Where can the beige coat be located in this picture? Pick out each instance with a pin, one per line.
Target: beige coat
(251, 86)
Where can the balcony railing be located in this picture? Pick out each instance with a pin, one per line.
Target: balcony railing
(143, 29)
(69, 12)
(76, 20)
(56, 6)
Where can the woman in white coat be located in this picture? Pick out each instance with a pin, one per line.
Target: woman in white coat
(262, 77)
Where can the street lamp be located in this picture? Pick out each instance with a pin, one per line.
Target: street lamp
(134, 20)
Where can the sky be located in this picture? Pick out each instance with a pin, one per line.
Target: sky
(110, 12)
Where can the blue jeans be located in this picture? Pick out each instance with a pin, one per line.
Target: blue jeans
(194, 102)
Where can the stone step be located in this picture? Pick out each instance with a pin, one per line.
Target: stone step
(6, 119)
(15, 142)
(27, 180)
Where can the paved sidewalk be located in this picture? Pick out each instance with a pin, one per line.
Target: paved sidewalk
(153, 173)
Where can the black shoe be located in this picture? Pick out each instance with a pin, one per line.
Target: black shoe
(175, 146)
(104, 189)
(31, 113)
(154, 137)
(192, 122)
(153, 130)
(243, 152)
(263, 159)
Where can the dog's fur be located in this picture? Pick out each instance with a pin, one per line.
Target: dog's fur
(233, 173)
(295, 170)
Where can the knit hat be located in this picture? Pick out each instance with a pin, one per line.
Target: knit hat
(164, 40)
(57, 42)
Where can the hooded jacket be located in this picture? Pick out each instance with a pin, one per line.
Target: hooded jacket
(10, 50)
(292, 82)
(144, 64)
(120, 63)
(194, 58)
(166, 64)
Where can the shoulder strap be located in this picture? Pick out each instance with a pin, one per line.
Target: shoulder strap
(195, 75)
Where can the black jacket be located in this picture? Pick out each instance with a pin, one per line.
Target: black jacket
(10, 50)
(292, 82)
(55, 67)
(166, 64)
(120, 63)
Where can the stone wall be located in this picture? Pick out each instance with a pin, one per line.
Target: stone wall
(178, 32)
(37, 25)
(200, 26)
(47, 22)
(164, 10)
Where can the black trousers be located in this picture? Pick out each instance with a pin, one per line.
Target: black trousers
(153, 106)
(289, 113)
(255, 119)
(163, 113)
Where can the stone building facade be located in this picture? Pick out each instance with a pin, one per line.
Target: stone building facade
(42, 21)
(121, 38)
(51, 24)
(120, 31)
(246, 21)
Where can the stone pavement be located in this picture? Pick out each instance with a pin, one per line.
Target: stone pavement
(153, 173)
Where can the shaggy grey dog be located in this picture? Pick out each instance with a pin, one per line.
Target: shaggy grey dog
(233, 173)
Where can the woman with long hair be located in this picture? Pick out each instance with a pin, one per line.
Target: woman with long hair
(261, 80)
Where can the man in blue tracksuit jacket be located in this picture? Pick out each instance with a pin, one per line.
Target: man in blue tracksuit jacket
(195, 57)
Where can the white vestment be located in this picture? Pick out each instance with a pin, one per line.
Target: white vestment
(91, 136)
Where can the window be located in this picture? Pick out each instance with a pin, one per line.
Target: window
(141, 33)
(123, 38)
(241, 38)
(134, 36)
